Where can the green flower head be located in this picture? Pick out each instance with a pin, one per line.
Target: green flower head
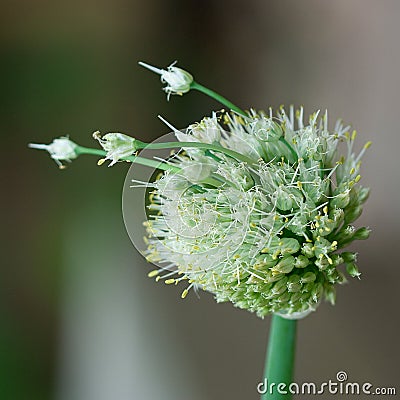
(254, 207)
(269, 236)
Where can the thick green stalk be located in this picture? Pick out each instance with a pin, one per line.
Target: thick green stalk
(280, 358)
(218, 97)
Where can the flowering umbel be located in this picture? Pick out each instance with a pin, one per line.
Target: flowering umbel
(254, 207)
(269, 239)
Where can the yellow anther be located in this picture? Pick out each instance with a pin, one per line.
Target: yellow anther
(325, 210)
(327, 229)
(184, 293)
(236, 256)
(367, 145)
(153, 273)
(158, 278)
(358, 177)
(96, 135)
(334, 243)
(101, 161)
(353, 135)
(169, 281)
(352, 171)
(330, 260)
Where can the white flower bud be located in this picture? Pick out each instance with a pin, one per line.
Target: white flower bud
(117, 145)
(178, 80)
(61, 149)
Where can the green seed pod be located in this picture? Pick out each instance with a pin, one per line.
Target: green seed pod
(280, 286)
(317, 292)
(308, 277)
(352, 270)
(361, 234)
(330, 294)
(308, 250)
(348, 256)
(295, 297)
(341, 200)
(283, 298)
(294, 283)
(284, 266)
(337, 259)
(301, 261)
(352, 214)
(363, 194)
(289, 246)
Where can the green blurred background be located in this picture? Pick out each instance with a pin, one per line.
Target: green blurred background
(79, 319)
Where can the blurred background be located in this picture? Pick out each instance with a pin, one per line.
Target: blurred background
(79, 319)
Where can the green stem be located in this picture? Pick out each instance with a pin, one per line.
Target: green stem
(146, 162)
(206, 146)
(139, 160)
(218, 97)
(280, 358)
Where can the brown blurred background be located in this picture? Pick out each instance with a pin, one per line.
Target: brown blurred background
(79, 319)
